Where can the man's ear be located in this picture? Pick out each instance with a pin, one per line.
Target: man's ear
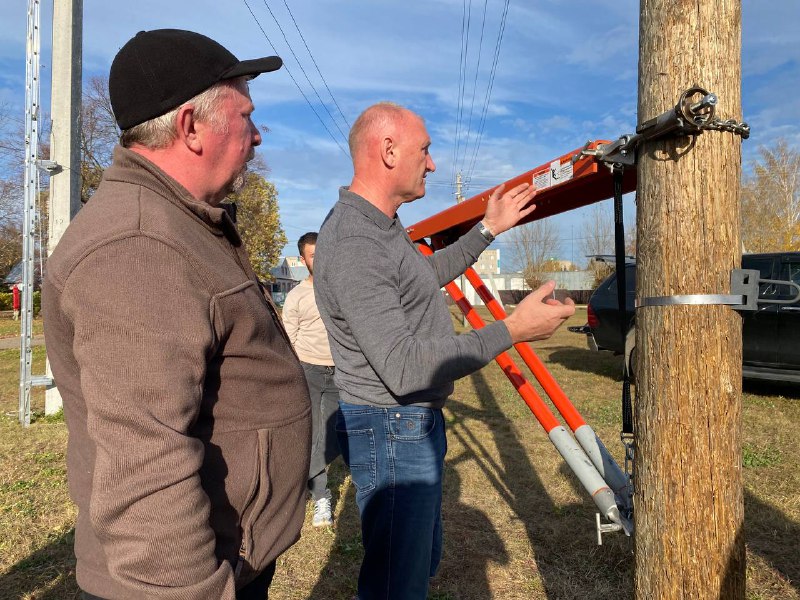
(186, 127)
(388, 152)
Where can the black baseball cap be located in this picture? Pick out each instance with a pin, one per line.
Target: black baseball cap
(158, 70)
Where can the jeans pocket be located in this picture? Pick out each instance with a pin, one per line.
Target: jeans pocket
(358, 450)
(411, 424)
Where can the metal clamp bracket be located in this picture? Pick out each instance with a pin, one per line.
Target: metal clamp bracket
(743, 297)
(693, 114)
(50, 167)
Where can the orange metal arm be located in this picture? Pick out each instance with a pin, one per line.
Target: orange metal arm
(523, 386)
(543, 376)
(568, 182)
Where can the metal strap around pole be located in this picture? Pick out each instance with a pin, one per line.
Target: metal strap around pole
(689, 299)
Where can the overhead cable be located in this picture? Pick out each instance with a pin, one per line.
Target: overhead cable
(475, 83)
(315, 64)
(462, 70)
(489, 87)
(299, 64)
(330, 133)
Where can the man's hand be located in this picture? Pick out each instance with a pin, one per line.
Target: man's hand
(503, 211)
(538, 316)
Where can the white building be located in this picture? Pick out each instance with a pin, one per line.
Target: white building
(285, 276)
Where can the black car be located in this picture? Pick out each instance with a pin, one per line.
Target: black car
(770, 335)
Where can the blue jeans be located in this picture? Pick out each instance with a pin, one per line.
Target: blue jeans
(396, 458)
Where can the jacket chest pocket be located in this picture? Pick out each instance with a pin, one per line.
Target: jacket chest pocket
(242, 315)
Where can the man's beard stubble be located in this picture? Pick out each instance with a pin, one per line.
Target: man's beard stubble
(240, 180)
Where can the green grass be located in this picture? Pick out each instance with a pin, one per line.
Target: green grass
(10, 328)
(753, 456)
(517, 524)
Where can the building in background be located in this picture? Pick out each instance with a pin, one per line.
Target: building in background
(488, 262)
(511, 287)
(285, 276)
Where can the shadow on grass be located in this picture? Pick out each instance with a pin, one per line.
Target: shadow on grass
(47, 574)
(470, 543)
(338, 579)
(773, 536)
(602, 363)
(563, 537)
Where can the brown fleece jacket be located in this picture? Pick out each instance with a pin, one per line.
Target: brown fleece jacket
(188, 413)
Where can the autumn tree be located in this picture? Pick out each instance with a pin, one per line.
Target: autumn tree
(771, 200)
(258, 221)
(532, 246)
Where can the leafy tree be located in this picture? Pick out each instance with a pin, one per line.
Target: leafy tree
(259, 224)
(771, 201)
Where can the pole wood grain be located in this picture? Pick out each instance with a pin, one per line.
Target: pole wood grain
(688, 507)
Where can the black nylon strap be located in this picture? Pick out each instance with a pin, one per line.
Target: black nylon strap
(619, 247)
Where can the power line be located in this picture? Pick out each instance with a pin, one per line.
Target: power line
(299, 64)
(462, 71)
(295, 81)
(315, 64)
(489, 87)
(475, 83)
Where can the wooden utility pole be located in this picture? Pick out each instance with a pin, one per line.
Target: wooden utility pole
(689, 507)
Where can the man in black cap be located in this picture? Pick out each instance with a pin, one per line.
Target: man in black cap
(189, 428)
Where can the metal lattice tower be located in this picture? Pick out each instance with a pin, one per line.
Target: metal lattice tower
(31, 194)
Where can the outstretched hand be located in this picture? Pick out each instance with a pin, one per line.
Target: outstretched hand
(538, 315)
(503, 211)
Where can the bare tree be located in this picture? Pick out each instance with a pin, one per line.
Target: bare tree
(630, 239)
(598, 238)
(12, 161)
(99, 134)
(598, 230)
(771, 201)
(532, 246)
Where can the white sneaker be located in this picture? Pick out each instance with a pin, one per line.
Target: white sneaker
(322, 513)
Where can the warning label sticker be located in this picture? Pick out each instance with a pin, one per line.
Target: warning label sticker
(556, 174)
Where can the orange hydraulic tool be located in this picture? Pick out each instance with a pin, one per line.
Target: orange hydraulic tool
(570, 181)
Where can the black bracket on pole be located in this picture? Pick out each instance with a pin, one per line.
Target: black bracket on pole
(693, 114)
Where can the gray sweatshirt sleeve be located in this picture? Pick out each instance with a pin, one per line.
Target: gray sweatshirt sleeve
(371, 302)
(452, 261)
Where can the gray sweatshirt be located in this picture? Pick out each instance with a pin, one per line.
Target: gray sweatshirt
(391, 333)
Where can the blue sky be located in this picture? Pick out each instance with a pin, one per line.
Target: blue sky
(563, 76)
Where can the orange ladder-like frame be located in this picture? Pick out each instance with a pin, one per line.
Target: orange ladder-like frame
(568, 182)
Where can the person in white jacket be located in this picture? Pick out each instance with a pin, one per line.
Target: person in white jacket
(310, 340)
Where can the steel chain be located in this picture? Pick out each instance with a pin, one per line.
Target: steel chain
(729, 125)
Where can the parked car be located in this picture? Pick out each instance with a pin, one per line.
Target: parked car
(770, 335)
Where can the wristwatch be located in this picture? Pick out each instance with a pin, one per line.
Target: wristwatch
(485, 232)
